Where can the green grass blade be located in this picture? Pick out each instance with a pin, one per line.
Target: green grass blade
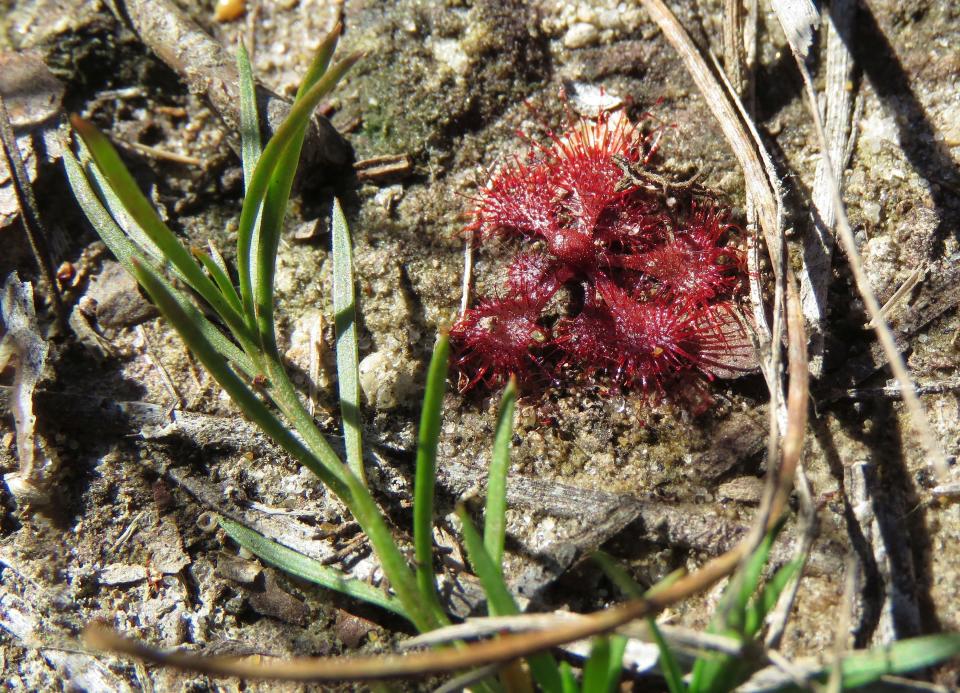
(617, 574)
(220, 277)
(863, 668)
(125, 250)
(118, 178)
(494, 522)
(719, 672)
(296, 563)
(242, 395)
(604, 666)
(668, 663)
(760, 606)
(424, 614)
(250, 146)
(669, 666)
(731, 610)
(321, 61)
(568, 682)
(499, 600)
(426, 471)
(267, 237)
(348, 358)
(264, 173)
(108, 199)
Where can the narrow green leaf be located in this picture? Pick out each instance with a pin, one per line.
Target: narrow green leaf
(760, 606)
(862, 668)
(494, 522)
(499, 600)
(267, 238)
(136, 204)
(348, 358)
(731, 610)
(264, 172)
(242, 395)
(108, 199)
(669, 666)
(617, 574)
(125, 250)
(627, 585)
(604, 666)
(302, 566)
(720, 672)
(249, 120)
(424, 614)
(568, 682)
(321, 61)
(426, 472)
(221, 278)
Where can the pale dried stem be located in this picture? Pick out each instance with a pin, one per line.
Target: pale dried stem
(818, 241)
(918, 418)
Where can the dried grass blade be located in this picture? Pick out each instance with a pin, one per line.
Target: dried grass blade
(918, 416)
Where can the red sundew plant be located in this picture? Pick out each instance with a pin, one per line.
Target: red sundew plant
(652, 272)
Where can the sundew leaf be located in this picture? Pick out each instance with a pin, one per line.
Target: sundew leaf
(345, 321)
(302, 566)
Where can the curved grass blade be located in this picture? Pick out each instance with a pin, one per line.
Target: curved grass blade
(250, 147)
(348, 358)
(220, 277)
(500, 602)
(712, 672)
(118, 178)
(494, 519)
(669, 666)
(125, 250)
(424, 614)
(296, 563)
(264, 172)
(267, 238)
(426, 470)
(239, 392)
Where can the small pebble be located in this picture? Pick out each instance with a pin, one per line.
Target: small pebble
(580, 34)
(228, 10)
